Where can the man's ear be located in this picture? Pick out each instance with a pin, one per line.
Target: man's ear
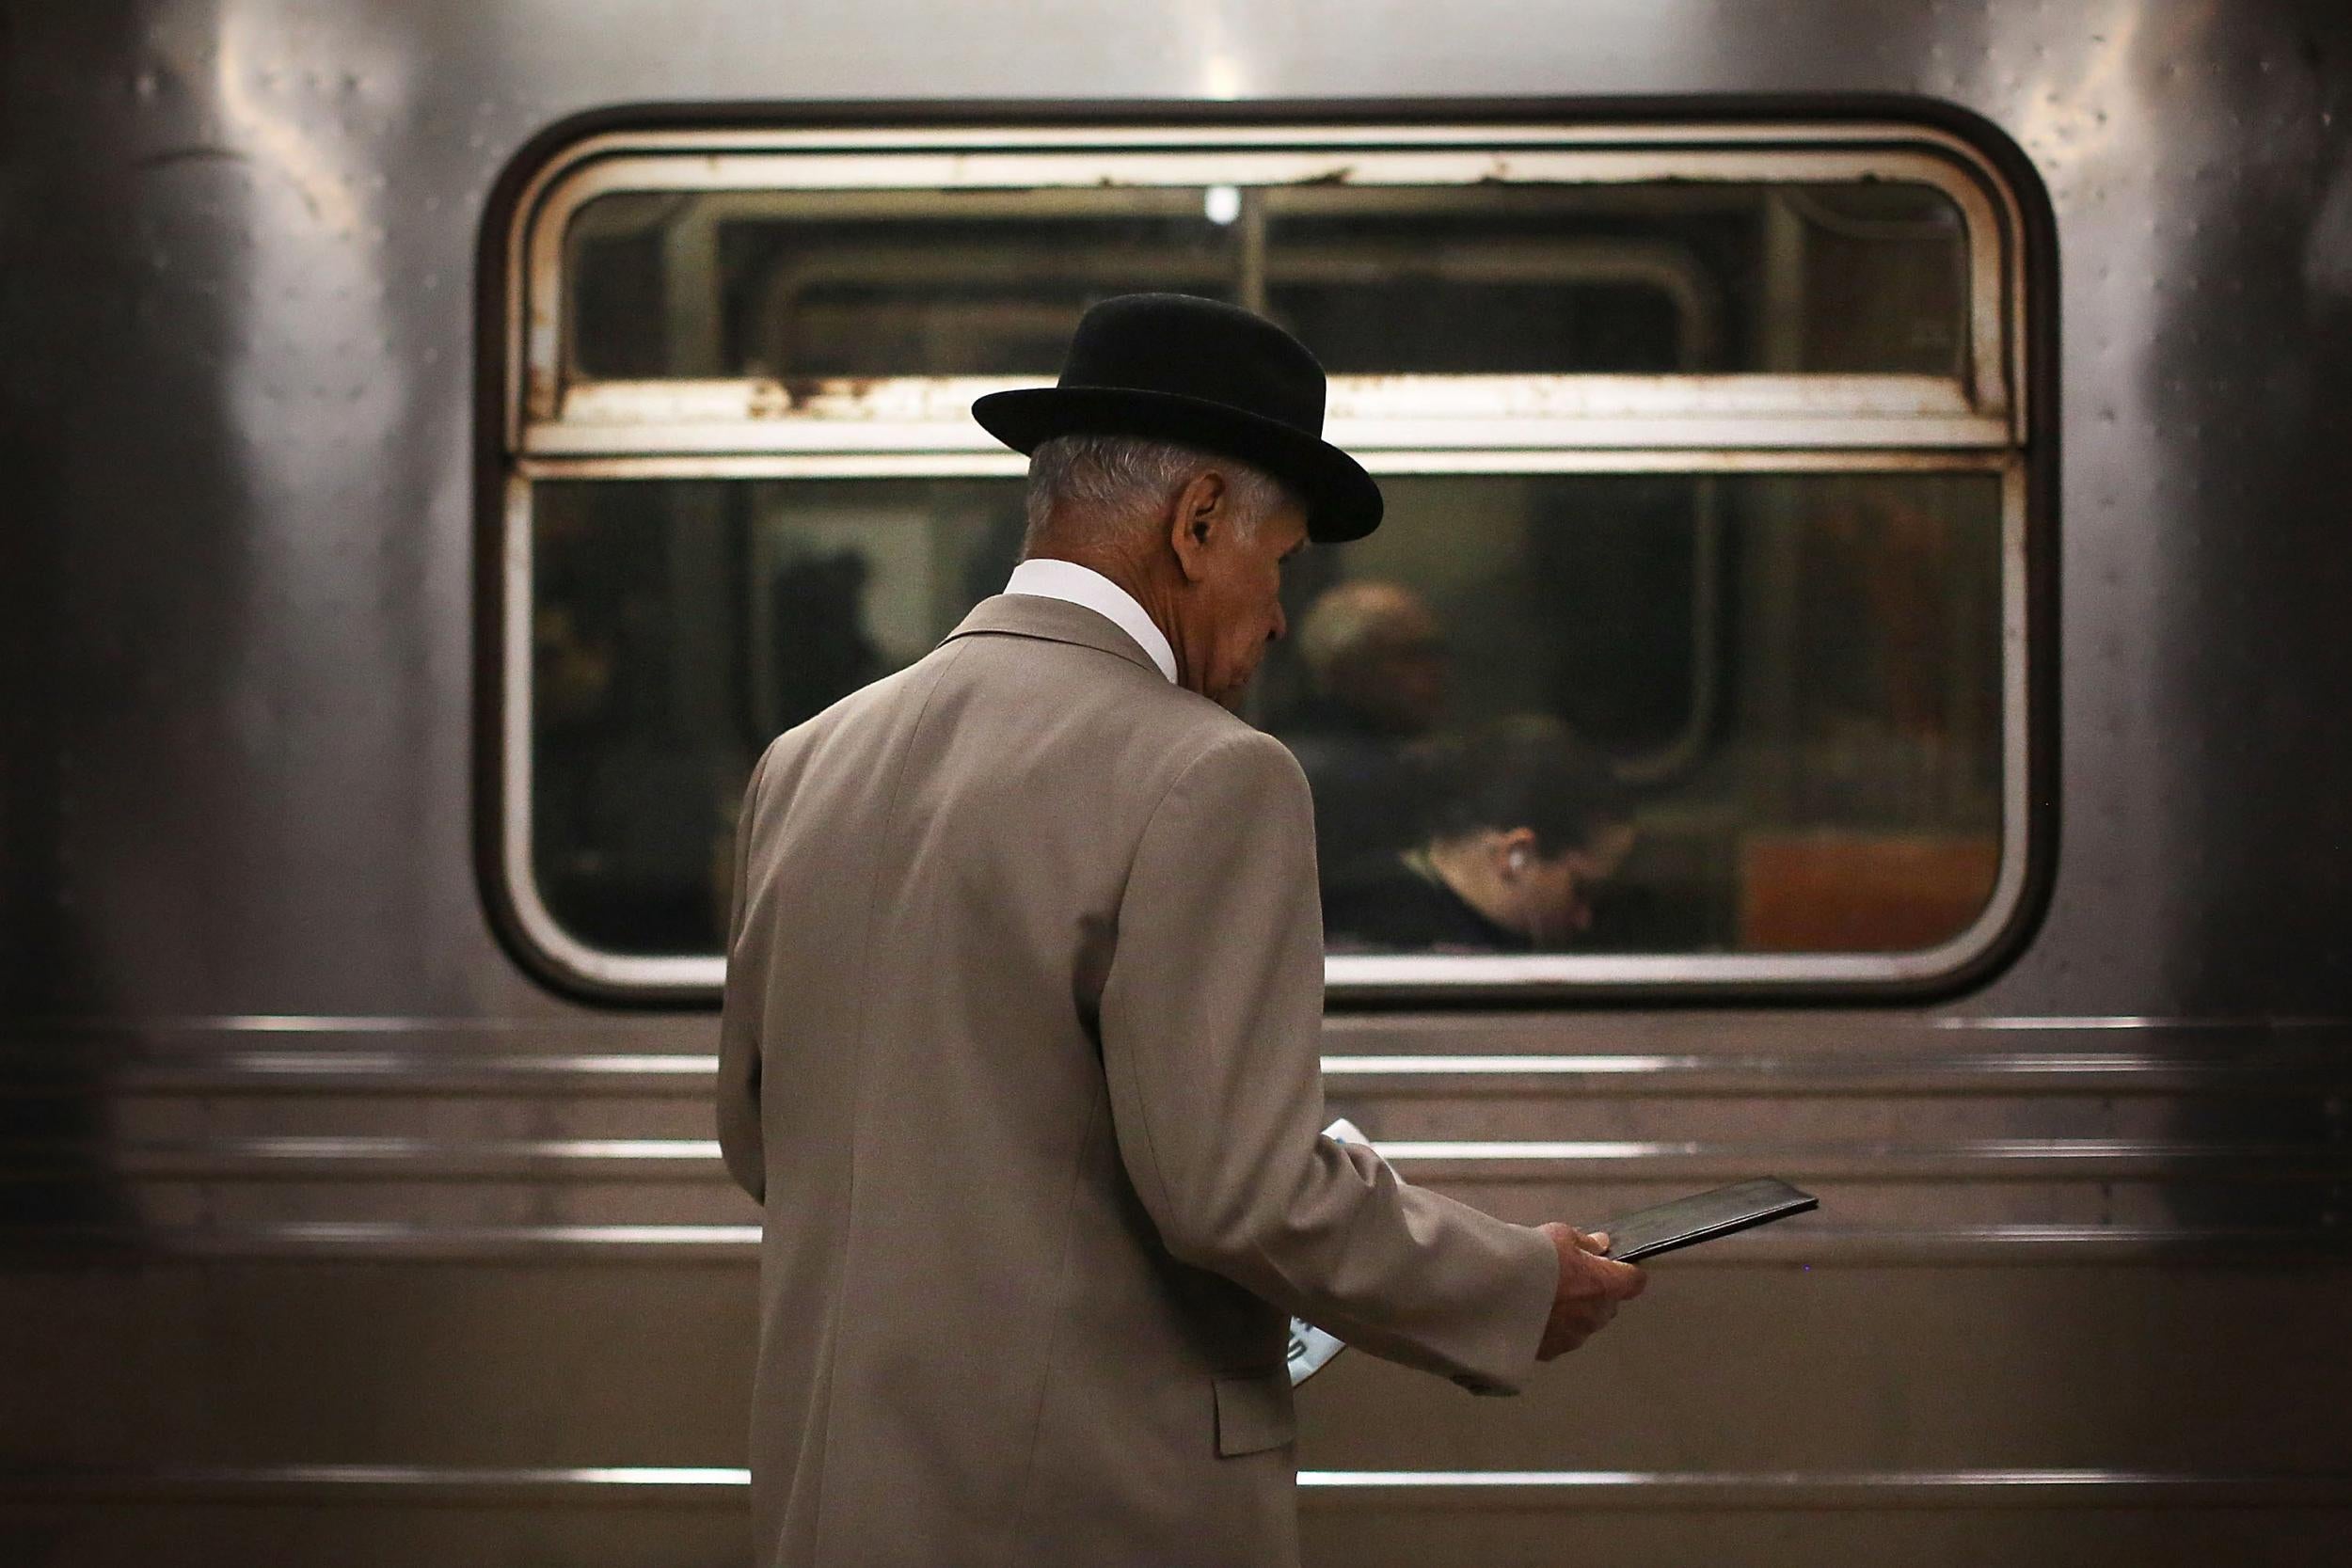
(1201, 511)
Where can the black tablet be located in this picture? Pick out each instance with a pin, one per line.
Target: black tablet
(1703, 1216)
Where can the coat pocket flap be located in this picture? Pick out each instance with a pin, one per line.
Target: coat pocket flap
(1253, 1412)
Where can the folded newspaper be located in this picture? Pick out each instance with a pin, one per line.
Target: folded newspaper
(1311, 1348)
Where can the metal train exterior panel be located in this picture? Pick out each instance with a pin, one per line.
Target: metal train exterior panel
(343, 1227)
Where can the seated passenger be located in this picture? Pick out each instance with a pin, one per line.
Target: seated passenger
(1525, 821)
(1377, 661)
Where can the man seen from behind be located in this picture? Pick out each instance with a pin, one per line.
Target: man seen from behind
(1022, 1016)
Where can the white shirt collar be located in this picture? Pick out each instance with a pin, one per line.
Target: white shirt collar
(1048, 579)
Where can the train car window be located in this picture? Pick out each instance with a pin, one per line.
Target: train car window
(1529, 279)
(1693, 654)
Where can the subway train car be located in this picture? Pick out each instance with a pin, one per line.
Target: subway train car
(1900, 449)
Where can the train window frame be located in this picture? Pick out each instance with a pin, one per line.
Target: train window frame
(555, 424)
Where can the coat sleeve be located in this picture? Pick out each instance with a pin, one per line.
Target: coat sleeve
(741, 1143)
(1212, 1035)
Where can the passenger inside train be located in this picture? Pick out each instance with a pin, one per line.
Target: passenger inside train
(1523, 823)
(1376, 660)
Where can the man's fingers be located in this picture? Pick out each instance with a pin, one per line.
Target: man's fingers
(1591, 1285)
(1623, 1280)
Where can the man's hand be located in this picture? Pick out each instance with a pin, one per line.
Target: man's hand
(1590, 1286)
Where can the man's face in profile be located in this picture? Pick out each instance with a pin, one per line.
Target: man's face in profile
(1241, 598)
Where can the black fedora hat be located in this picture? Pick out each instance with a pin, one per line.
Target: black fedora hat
(1202, 375)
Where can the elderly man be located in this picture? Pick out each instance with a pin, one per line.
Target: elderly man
(1023, 1011)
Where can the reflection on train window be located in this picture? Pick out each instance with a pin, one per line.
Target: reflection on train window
(1861, 276)
(1730, 712)
(678, 626)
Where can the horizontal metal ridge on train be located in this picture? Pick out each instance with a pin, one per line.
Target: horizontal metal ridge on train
(1700, 1026)
(655, 1485)
(1786, 1245)
(1926, 1063)
(361, 1157)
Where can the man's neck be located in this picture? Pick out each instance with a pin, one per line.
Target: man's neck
(1148, 589)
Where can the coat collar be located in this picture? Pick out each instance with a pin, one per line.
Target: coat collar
(1055, 621)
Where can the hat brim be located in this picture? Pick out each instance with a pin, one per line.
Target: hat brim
(1342, 502)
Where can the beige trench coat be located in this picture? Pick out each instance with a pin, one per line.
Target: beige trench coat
(1020, 1053)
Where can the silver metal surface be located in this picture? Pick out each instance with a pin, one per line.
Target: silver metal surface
(314, 1193)
(719, 1486)
(1368, 413)
(1372, 416)
(697, 1160)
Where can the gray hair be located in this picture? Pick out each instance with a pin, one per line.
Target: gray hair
(1125, 476)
